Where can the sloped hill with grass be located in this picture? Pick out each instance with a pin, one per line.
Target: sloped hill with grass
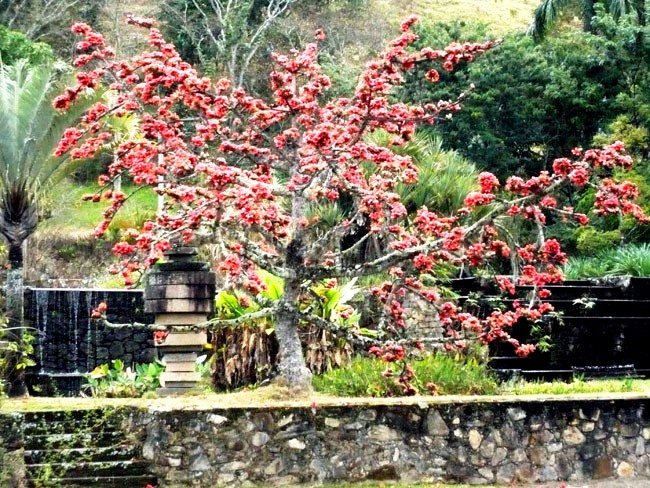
(502, 15)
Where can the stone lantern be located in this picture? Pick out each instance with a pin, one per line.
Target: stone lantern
(180, 293)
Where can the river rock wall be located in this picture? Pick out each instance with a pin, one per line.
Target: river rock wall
(470, 441)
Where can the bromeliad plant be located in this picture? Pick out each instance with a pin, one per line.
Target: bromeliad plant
(246, 172)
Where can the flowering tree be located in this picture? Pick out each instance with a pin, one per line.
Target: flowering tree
(247, 171)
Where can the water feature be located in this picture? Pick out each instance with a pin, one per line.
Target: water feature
(69, 343)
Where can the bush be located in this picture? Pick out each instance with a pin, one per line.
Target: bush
(446, 373)
(115, 381)
(591, 240)
(632, 260)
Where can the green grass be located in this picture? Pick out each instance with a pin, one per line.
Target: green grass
(73, 216)
(502, 15)
(451, 375)
(632, 260)
(579, 386)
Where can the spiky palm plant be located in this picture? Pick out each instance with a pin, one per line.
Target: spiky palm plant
(30, 129)
(444, 177)
(549, 11)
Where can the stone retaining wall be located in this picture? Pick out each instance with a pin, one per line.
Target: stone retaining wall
(12, 468)
(477, 441)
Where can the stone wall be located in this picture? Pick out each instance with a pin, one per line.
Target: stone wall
(12, 467)
(478, 441)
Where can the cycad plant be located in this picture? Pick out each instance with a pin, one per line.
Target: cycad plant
(444, 176)
(30, 129)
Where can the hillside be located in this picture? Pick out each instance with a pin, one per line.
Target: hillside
(502, 15)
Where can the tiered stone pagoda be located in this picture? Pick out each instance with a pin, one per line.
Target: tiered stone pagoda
(180, 293)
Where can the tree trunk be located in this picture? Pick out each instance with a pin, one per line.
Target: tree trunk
(15, 320)
(293, 369)
(588, 13)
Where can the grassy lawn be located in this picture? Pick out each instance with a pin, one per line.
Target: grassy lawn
(72, 216)
(502, 15)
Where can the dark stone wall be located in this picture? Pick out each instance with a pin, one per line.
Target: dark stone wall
(479, 441)
(69, 341)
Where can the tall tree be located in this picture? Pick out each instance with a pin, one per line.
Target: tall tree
(224, 35)
(47, 20)
(245, 171)
(30, 129)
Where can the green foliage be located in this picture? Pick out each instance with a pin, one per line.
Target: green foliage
(16, 349)
(69, 214)
(444, 176)
(577, 385)
(15, 45)
(117, 381)
(631, 260)
(451, 374)
(623, 128)
(531, 102)
(591, 240)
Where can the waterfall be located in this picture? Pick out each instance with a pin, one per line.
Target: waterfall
(41, 298)
(74, 320)
(89, 333)
(71, 343)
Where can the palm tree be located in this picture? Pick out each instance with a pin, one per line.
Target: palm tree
(548, 12)
(30, 129)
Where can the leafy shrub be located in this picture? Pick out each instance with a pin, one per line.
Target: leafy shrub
(115, 381)
(16, 350)
(451, 375)
(591, 240)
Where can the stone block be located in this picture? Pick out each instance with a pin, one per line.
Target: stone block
(183, 366)
(188, 385)
(181, 318)
(179, 357)
(202, 290)
(167, 378)
(180, 278)
(185, 339)
(169, 391)
(182, 305)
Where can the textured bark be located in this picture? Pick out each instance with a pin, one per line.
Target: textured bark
(292, 365)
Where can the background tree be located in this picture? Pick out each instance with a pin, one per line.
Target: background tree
(550, 11)
(48, 20)
(224, 36)
(30, 129)
(15, 45)
(519, 117)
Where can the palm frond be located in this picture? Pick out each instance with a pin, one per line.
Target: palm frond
(30, 128)
(544, 16)
(444, 177)
(619, 8)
